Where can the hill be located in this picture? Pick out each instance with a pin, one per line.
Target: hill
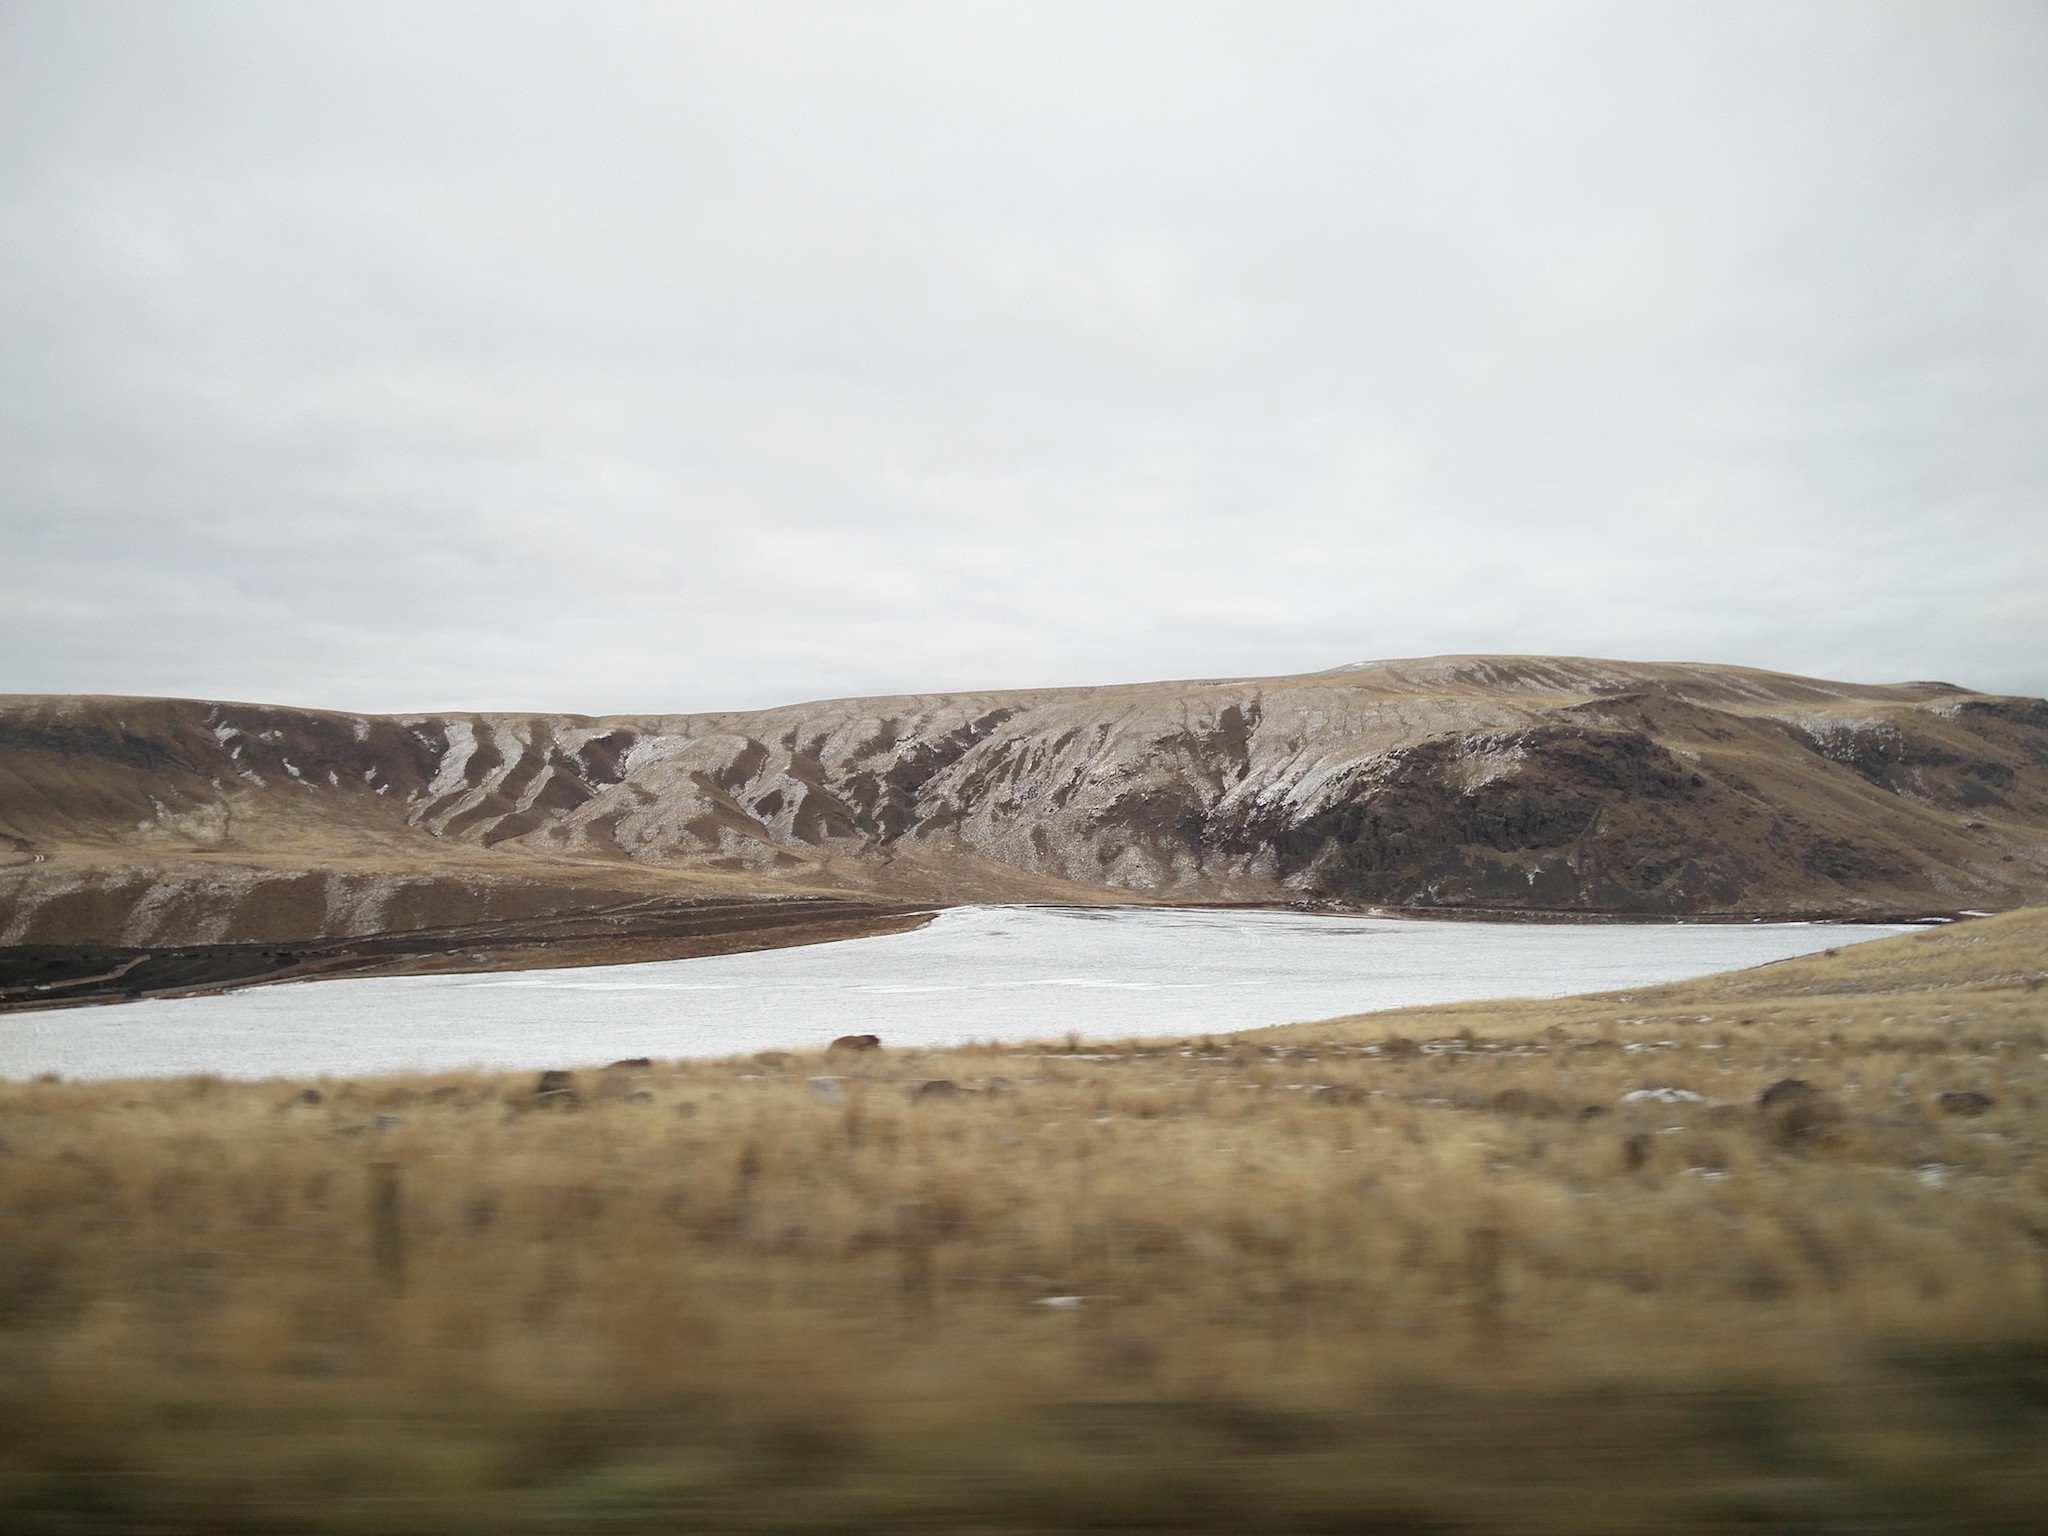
(1452, 783)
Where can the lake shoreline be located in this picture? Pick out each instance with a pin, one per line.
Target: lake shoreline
(36, 978)
(40, 977)
(979, 973)
(1585, 1264)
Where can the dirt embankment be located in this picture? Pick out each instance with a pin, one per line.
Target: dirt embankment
(59, 975)
(1452, 784)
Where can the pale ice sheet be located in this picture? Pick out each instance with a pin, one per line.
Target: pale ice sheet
(975, 973)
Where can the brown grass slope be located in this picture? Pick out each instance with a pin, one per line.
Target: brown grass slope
(1460, 782)
(1514, 1267)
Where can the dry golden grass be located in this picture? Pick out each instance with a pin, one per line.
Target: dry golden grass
(1433, 1270)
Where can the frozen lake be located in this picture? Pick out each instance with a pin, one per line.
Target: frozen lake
(975, 973)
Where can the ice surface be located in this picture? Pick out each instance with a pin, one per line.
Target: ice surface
(975, 973)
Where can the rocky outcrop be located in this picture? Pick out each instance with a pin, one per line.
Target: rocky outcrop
(1532, 783)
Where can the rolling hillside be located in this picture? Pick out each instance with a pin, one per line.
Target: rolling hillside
(1540, 784)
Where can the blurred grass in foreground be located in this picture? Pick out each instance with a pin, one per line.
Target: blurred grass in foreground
(1515, 1267)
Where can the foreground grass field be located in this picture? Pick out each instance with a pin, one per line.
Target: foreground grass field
(1514, 1267)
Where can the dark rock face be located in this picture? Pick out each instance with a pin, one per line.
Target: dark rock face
(1531, 783)
(1409, 832)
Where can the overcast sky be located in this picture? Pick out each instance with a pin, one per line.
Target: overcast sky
(600, 357)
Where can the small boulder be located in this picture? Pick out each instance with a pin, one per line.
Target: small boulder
(937, 1088)
(1708, 1159)
(1795, 1112)
(305, 1096)
(856, 1043)
(622, 1079)
(1965, 1101)
(1663, 1096)
(1787, 1090)
(827, 1088)
(555, 1089)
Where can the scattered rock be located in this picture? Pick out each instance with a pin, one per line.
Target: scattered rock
(856, 1043)
(999, 1085)
(1710, 1160)
(387, 1122)
(1635, 1152)
(1592, 1111)
(1965, 1101)
(827, 1088)
(639, 1066)
(937, 1088)
(1663, 1096)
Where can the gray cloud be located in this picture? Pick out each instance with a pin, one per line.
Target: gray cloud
(691, 356)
